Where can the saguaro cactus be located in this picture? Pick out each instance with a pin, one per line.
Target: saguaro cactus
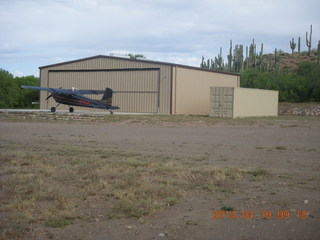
(212, 64)
(252, 54)
(238, 58)
(246, 61)
(209, 64)
(277, 55)
(260, 57)
(308, 41)
(230, 57)
(292, 45)
(218, 61)
(318, 51)
(299, 45)
(269, 63)
(203, 63)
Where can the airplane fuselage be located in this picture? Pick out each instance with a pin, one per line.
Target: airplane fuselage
(73, 99)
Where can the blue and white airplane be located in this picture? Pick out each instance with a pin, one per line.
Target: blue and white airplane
(75, 97)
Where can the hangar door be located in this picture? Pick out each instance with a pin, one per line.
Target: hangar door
(135, 90)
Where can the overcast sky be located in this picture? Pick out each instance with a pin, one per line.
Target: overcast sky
(35, 33)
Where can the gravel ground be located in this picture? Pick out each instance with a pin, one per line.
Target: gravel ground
(287, 148)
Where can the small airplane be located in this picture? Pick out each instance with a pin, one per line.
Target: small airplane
(75, 97)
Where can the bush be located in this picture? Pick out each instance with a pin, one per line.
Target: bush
(300, 86)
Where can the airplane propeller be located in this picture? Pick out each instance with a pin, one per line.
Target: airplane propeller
(49, 96)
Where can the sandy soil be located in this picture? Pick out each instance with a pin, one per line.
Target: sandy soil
(287, 148)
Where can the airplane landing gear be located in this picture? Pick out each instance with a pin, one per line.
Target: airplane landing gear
(53, 109)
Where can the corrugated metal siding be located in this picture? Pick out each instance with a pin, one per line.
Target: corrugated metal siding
(135, 91)
(97, 80)
(136, 102)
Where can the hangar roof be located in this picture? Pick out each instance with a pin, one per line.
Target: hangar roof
(138, 60)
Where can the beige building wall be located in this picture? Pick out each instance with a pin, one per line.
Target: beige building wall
(191, 89)
(255, 102)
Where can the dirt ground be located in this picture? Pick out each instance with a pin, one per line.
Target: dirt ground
(287, 150)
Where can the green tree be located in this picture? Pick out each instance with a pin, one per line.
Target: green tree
(11, 93)
(27, 96)
(136, 56)
(8, 90)
(312, 73)
(292, 87)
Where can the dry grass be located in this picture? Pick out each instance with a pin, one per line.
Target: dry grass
(55, 185)
(294, 121)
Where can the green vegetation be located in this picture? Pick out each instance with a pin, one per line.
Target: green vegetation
(11, 93)
(135, 56)
(228, 208)
(296, 76)
(259, 172)
(238, 62)
(55, 223)
(299, 86)
(170, 201)
(281, 147)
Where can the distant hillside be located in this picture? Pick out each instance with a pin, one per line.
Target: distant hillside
(289, 62)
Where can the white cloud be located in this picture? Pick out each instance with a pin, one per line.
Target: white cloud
(43, 31)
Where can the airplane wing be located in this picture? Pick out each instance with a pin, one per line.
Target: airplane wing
(79, 91)
(90, 91)
(38, 88)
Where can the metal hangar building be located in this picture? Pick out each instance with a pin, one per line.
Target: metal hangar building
(140, 86)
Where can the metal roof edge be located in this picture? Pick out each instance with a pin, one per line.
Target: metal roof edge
(205, 69)
(139, 60)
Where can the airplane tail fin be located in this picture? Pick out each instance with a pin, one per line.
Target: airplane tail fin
(107, 97)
